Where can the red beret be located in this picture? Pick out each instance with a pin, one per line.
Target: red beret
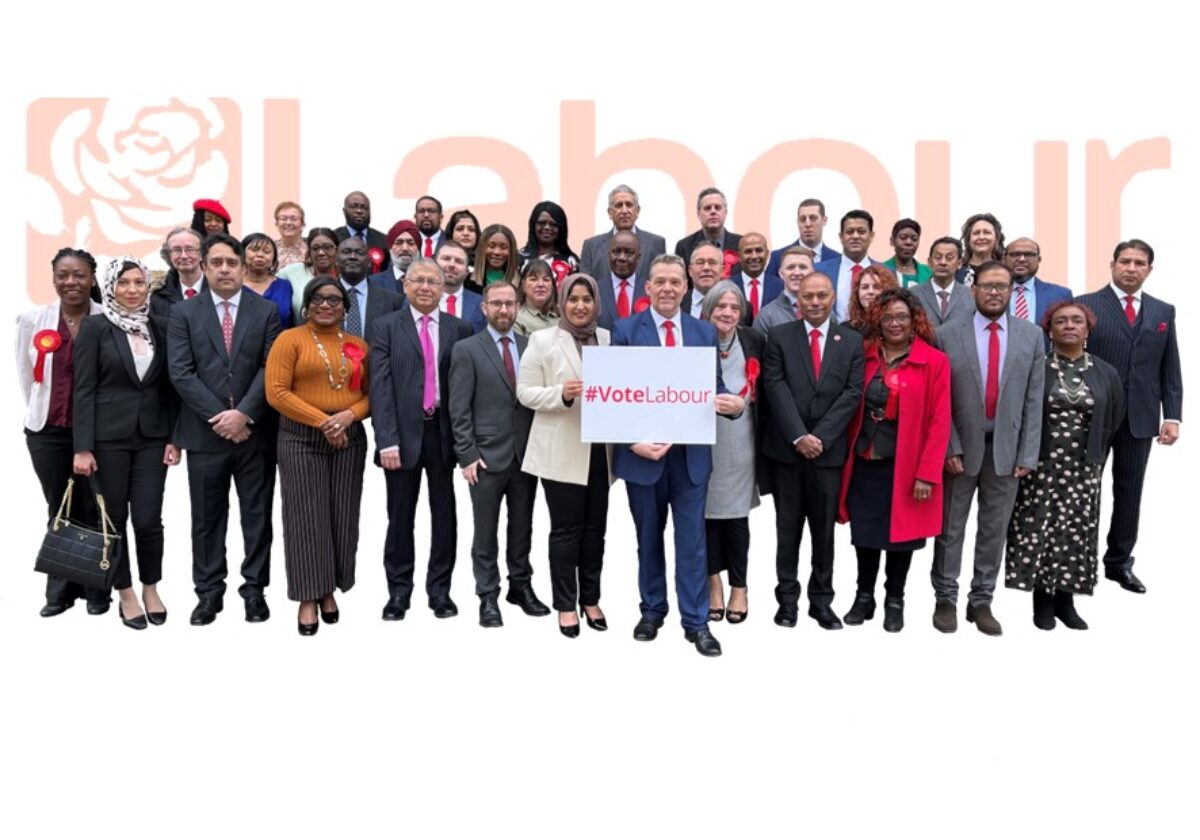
(403, 226)
(212, 206)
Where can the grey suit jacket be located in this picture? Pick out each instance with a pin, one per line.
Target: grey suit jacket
(485, 416)
(961, 308)
(593, 259)
(1018, 423)
(777, 312)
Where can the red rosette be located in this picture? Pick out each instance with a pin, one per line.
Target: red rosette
(641, 305)
(731, 259)
(355, 355)
(561, 269)
(752, 372)
(44, 342)
(376, 259)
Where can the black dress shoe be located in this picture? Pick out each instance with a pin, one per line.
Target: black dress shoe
(787, 615)
(489, 612)
(158, 619)
(136, 623)
(307, 629)
(1127, 579)
(206, 611)
(893, 615)
(600, 623)
(98, 607)
(257, 610)
(442, 606)
(527, 601)
(863, 609)
(646, 630)
(51, 610)
(825, 617)
(395, 608)
(705, 642)
(571, 631)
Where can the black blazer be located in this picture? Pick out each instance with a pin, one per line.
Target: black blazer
(375, 239)
(800, 406)
(170, 294)
(1145, 356)
(685, 246)
(398, 383)
(1107, 413)
(209, 381)
(381, 300)
(111, 403)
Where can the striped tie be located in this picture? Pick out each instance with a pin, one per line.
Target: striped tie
(1022, 304)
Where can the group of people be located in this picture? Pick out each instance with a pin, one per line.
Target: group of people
(890, 396)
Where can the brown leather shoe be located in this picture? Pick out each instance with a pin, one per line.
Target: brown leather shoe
(982, 617)
(945, 617)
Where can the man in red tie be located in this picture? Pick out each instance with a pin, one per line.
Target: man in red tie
(185, 279)
(753, 254)
(997, 372)
(624, 286)
(462, 303)
(857, 233)
(1135, 333)
(428, 216)
(704, 270)
(356, 209)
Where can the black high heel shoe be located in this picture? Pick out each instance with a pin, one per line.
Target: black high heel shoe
(137, 623)
(330, 617)
(571, 631)
(600, 623)
(308, 629)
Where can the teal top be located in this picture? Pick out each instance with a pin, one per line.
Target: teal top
(923, 274)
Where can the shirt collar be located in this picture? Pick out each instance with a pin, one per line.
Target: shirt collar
(823, 327)
(981, 322)
(236, 300)
(1028, 284)
(658, 319)
(497, 335)
(1121, 294)
(418, 315)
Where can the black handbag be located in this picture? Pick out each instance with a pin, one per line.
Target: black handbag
(76, 553)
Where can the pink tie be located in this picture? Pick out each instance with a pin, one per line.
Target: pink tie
(189, 293)
(429, 401)
(1022, 304)
(227, 328)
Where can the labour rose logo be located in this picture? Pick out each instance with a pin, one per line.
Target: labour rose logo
(114, 176)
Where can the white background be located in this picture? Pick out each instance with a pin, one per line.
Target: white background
(439, 727)
(649, 368)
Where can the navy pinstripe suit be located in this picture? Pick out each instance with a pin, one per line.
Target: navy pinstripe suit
(1146, 357)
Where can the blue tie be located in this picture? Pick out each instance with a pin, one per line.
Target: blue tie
(354, 315)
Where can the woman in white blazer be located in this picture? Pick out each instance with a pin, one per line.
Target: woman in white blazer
(575, 475)
(45, 356)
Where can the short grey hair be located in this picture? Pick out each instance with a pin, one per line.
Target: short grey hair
(668, 259)
(706, 192)
(622, 188)
(718, 291)
(425, 262)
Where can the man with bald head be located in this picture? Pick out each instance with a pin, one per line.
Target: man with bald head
(705, 268)
(623, 211)
(356, 209)
(751, 274)
(1031, 295)
(619, 284)
(813, 382)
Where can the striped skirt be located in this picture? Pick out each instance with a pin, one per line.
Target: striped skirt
(322, 493)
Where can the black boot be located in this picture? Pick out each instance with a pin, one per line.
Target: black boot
(1043, 610)
(862, 610)
(1064, 609)
(893, 614)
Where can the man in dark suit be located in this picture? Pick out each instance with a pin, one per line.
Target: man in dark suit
(623, 210)
(811, 221)
(751, 275)
(490, 432)
(620, 284)
(711, 210)
(451, 257)
(795, 265)
(368, 299)
(1031, 295)
(943, 298)
(185, 279)
(428, 216)
(704, 271)
(857, 232)
(813, 382)
(356, 209)
(410, 394)
(401, 240)
(658, 476)
(217, 345)
(1135, 333)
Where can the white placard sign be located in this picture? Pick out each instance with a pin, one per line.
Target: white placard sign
(656, 394)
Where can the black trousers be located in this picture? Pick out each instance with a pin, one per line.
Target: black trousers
(403, 492)
(131, 476)
(804, 493)
(52, 451)
(728, 543)
(578, 521)
(253, 474)
(517, 490)
(896, 571)
(1129, 458)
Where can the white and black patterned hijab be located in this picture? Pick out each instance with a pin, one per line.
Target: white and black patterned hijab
(134, 322)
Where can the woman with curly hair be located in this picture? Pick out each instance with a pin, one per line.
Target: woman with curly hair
(982, 240)
(871, 282)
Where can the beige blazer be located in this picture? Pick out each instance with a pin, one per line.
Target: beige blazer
(555, 450)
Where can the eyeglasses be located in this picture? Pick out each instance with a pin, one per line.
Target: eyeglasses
(1024, 255)
(295, 219)
(427, 211)
(179, 252)
(993, 288)
(423, 281)
(332, 301)
(902, 318)
(502, 304)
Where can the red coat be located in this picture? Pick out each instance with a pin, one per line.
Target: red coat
(922, 436)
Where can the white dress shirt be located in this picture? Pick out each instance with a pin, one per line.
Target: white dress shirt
(662, 333)
(1121, 294)
(845, 284)
(433, 336)
(234, 302)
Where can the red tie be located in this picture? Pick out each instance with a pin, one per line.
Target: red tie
(452, 306)
(815, 335)
(623, 300)
(509, 368)
(991, 394)
(754, 297)
(1130, 312)
(189, 293)
(670, 328)
(855, 270)
(429, 250)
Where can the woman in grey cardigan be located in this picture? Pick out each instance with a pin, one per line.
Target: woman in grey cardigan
(732, 487)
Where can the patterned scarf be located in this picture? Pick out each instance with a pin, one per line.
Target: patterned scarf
(136, 321)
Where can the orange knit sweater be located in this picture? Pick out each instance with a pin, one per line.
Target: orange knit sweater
(297, 381)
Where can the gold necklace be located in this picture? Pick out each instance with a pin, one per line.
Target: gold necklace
(342, 372)
(1074, 395)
